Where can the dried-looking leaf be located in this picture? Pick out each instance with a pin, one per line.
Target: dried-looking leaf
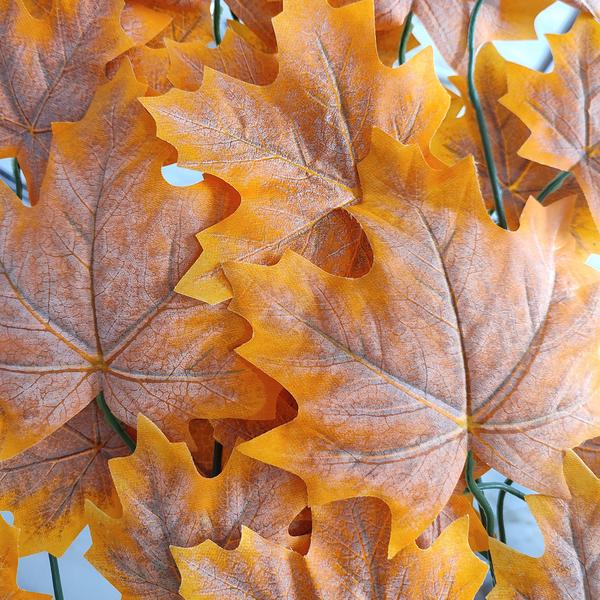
(87, 280)
(291, 148)
(45, 486)
(166, 502)
(458, 137)
(571, 528)
(398, 373)
(190, 20)
(446, 22)
(589, 451)
(234, 57)
(458, 506)
(347, 559)
(141, 23)
(49, 71)
(9, 559)
(562, 108)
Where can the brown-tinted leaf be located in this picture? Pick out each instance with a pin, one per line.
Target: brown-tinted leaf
(347, 559)
(291, 148)
(589, 451)
(562, 108)
(446, 22)
(49, 71)
(45, 486)
(87, 285)
(571, 528)
(9, 559)
(167, 503)
(458, 506)
(398, 373)
(234, 57)
(458, 137)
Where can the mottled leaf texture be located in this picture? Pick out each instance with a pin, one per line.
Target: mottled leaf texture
(458, 506)
(562, 108)
(291, 148)
(234, 57)
(446, 22)
(398, 373)
(45, 487)
(347, 559)
(589, 451)
(166, 502)
(459, 136)
(568, 569)
(190, 20)
(87, 286)
(49, 71)
(591, 6)
(9, 558)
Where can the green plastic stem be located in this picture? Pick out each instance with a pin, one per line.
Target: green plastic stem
(17, 175)
(483, 131)
(217, 21)
(485, 508)
(56, 582)
(113, 422)
(553, 185)
(503, 487)
(408, 26)
(500, 509)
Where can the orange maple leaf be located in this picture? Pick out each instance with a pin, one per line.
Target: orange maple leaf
(45, 486)
(461, 335)
(291, 148)
(347, 558)
(569, 566)
(561, 108)
(51, 68)
(446, 22)
(9, 558)
(166, 502)
(87, 281)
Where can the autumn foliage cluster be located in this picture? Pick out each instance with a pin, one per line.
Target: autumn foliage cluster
(353, 303)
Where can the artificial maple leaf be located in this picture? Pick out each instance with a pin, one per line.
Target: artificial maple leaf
(458, 137)
(141, 23)
(9, 559)
(87, 282)
(347, 558)
(190, 20)
(571, 528)
(291, 148)
(458, 506)
(446, 23)
(398, 373)
(562, 108)
(591, 6)
(50, 69)
(45, 486)
(234, 57)
(589, 451)
(166, 502)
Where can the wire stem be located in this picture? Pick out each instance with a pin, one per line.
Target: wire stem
(500, 510)
(17, 176)
(487, 514)
(113, 422)
(503, 487)
(217, 21)
(553, 185)
(217, 459)
(483, 131)
(408, 26)
(56, 582)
